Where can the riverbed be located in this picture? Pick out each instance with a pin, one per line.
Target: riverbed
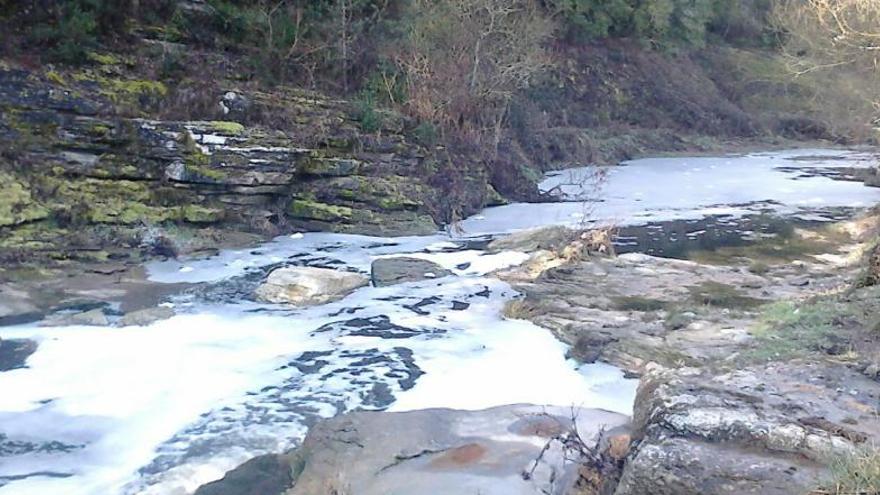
(164, 408)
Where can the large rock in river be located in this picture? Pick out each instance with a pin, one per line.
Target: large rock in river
(398, 270)
(308, 286)
(16, 307)
(508, 450)
(767, 429)
(14, 353)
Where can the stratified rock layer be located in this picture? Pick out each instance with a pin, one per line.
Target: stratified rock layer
(85, 171)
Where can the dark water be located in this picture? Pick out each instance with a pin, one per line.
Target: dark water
(681, 238)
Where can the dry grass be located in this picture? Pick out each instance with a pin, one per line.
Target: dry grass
(519, 309)
(854, 473)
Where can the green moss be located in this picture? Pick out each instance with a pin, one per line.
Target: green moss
(313, 210)
(131, 93)
(315, 164)
(56, 78)
(99, 130)
(103, 58)
(134, 89)
(788, 330)
(206, 172)
(198, 163)
(722, 296)
(201, 214)
(225, 127)
(37, 236)
(16, 203)
(108, 201)
(638, 303)
(388, 193)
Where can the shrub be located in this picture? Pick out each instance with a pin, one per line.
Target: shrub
(659, 21)
(370, 119)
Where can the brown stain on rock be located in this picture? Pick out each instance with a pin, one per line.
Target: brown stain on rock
(460, 456)
(538, 426)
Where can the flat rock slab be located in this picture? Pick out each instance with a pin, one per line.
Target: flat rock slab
(399, 270)
(432, 451)
(554, 237)
(144, 317)
(623, 310)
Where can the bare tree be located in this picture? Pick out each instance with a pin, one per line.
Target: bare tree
(464, 60)
(835, 35)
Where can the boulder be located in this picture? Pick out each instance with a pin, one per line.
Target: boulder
(144, 317)
(766, 429)
(507, 450)
(308, 286)
(268, 474)
(14, 353)
(399, 270)
(16, 307)
(93, 318)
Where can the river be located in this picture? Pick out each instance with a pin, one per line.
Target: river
(164, 408)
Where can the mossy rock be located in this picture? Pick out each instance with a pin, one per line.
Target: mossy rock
(108, 201)
(17, 205)
(388, 193)
(328, 166)
(129, 95)
(227, 128)
(201, 214)
(313, 210)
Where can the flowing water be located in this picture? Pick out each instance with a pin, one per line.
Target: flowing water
(164, 408)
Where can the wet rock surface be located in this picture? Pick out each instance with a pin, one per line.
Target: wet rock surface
(439, 451)
(92, 318)
(146, 316)
(14, 353)
(635, 309)
(16, 307)
(398, 270)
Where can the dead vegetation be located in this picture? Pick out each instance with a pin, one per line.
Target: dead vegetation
(600, 459)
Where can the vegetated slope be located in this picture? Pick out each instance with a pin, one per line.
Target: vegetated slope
(181, 114)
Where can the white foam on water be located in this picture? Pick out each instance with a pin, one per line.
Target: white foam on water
(136, 395)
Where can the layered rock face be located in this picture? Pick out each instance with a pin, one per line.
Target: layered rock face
(83, 167)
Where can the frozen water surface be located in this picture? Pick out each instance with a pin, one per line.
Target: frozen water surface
(165, 408)
(663, 189)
